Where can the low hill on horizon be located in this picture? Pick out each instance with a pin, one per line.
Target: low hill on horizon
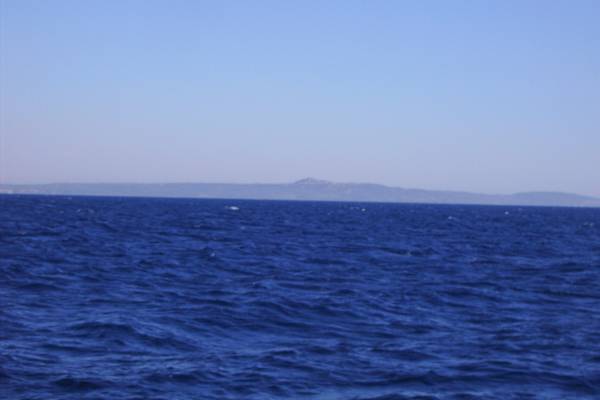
(304, 189)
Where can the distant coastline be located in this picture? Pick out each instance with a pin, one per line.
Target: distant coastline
(304, 189)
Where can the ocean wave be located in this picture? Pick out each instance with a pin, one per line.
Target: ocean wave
(158, 298)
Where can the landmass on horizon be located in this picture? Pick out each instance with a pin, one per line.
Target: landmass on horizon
(304, 189)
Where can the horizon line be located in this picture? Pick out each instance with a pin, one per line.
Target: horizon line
(305, 181)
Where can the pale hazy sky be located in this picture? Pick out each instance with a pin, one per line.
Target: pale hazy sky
(487, 96)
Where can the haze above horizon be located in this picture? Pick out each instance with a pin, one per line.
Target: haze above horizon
(486, 97)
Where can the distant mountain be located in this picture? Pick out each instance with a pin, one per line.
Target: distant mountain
(304, 189)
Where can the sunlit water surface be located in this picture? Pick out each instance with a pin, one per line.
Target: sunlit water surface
(125, 298)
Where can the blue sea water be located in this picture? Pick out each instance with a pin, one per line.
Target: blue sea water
(131, 298)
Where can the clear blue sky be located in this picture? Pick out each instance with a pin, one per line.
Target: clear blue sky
(487, 96)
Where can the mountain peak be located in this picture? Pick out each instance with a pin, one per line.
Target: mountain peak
(311, 181)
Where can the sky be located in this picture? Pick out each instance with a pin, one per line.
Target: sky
(483, 96)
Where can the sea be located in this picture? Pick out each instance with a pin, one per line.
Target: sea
(148, 298)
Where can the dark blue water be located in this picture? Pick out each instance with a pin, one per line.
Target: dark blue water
(109, 298)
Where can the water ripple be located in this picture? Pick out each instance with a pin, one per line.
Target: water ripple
(115, 298)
